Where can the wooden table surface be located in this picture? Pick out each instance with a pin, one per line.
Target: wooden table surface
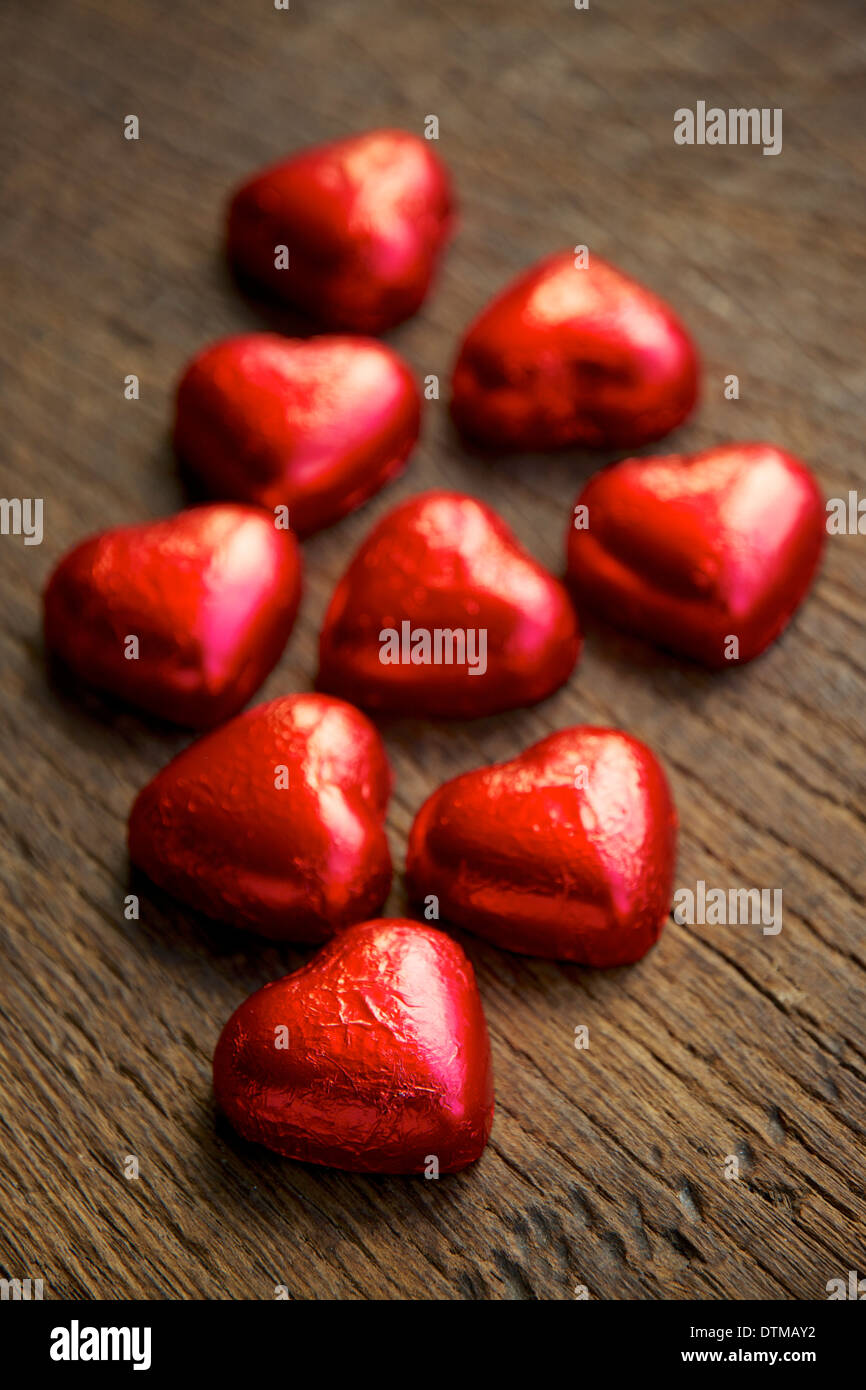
(607, 1166)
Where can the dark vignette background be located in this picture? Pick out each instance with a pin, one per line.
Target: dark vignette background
(606, 1167)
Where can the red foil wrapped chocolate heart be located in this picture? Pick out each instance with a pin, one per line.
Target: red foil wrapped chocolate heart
(708, 556)
(183, 618)
(441, 612)
(567, 851)
(274, 822)
(314, 425)
(348, 232)
(372, 1057)
(570, 355)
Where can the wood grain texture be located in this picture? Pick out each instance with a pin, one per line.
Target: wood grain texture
(607, 1166)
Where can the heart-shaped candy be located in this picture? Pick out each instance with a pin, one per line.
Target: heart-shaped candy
(183, 617)
(708, 556)
(315, 425)
(273, 822)
(571, 354)
(373, 1057)
(441, 612)
(348, 232)
(567, 851)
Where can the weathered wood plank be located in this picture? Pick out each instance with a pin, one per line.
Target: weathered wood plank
(607, 1166)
